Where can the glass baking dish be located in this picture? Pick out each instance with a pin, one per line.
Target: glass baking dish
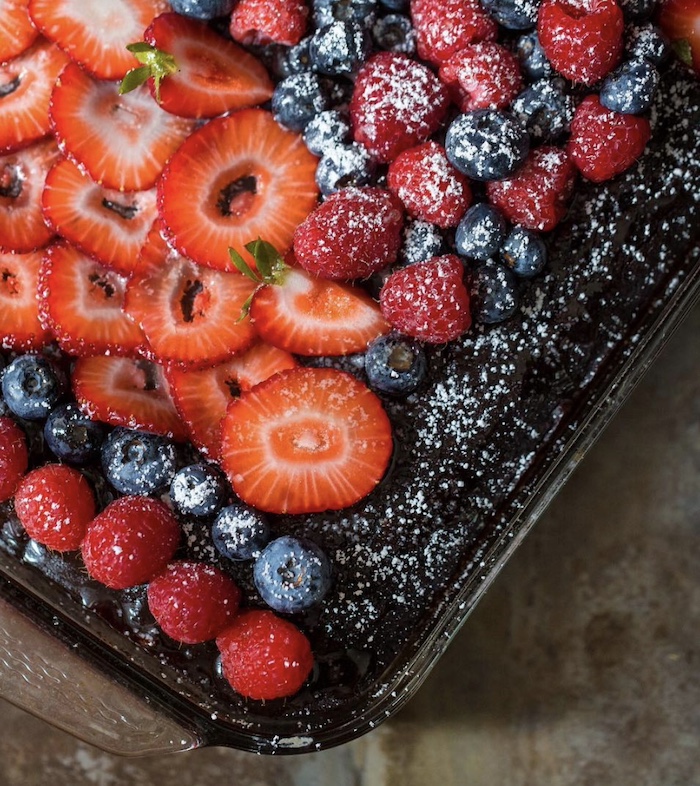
(69, 657)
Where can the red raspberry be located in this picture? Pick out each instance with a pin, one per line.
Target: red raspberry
(193, 602)
(604, 143)
(581, 38)
(263, 656)
(537, 195)
(13, 457)
(55, 504)
(443, 27)
(130, 542)
(429, 186)
(482, 76)
(397, 103)
(354, 233)
(262, 22)
(428, 300)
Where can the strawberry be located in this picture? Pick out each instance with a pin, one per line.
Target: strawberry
(680, 20)
(20, 327)
(25, 90)
(81, 301)
(262, 22)
(95, 35)
(14, 457)
(201, 396)
(17, 31)
(127, 392)
(22, 176)
(109, 225)
(306, 440)
(121, 141)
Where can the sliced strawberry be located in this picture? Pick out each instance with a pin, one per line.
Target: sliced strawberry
(680, 20)
(305, 441)
(190, 314)
(20, 328)
(127, 392)
(236, 179)
(17, 31)
(95, 35)
(122, 141)
(22, 176)
(81, 301)
(214, 75)
(25, 90)
(202, 396)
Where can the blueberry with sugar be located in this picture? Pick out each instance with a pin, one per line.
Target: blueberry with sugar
(284, 60)
(395, 5)
(292, 574)
(136, 462)
(203, 9)
(343, 166)
(340, 48)
(326, 131)
(481, 232)
(533, 61)
(394, 33)
(198, 490)
(545, 109)
(513, 14)
(298, 98)
(637, 9)
(240, 532)
(649, 42)
(524, 252)
(494, 293)
(420, 242)
(395, 364)
(630, 88)
(327, 11)
(32, 386)
(72, 436)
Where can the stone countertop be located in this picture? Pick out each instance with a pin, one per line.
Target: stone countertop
(580, 667)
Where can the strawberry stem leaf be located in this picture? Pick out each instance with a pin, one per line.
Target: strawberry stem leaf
(156, 65)
(134, 78)
(683, 51)
(243, 267)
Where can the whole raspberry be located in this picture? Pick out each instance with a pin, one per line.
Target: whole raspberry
(583, 39)
(263, 656)
(429, 186)
(262, 22)
(193, 602)
(443, 27)
(354, 233)
(396, 103)
(537, 195)
(428, 300)
(55, 504)
(14, 457)
(604, 143)
(130, 542)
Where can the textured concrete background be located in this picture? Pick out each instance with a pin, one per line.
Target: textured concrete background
(581, 666)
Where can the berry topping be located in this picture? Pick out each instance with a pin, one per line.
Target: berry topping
(193, 602)
(263, 656)
(494, 293)
(340, 48)
(630, 88)
(420, 242)
(680, 20)
(326, 12)
(345, 166)
(202, 9)
(138, 463)
(298, 98)
(71, 436)
(648, 42)
(14, 457)
(130, 542)
(326, 131)
(394, 33)
(524, 252)
(533, 61)
(20, 327)
(306, 440)
(55, 504)
(545, 109)
(513, 14)
(481, 232)
(261, 22)
(17, 31)
(395, 364)
(32, 386)
(239, 532)
(198, 490)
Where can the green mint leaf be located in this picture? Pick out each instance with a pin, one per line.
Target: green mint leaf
(133, 79)
(243, 267)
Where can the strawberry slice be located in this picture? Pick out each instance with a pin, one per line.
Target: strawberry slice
(22, 176)
(127, 392)
(20, 328)
(235, 179)
(109, 225)
(201, 396)
(81, 301)
(95, 35)
(305, 441)
(17, 31)
(190, 314)
(214, 75)
(25, 90)
(680, 20)
(122, 141)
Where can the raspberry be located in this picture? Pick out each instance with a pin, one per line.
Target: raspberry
(130, 542)
(581, 38)
(537, 195)
(396, 103)
(482, 76)
(262, 22)
(428, 300)
(13, 457)
(263, 656)
(55, 504)
(604, 143)
(193, 602)
(354, 233)
(443, 27)
(429, 186)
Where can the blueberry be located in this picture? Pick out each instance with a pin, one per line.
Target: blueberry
(136, 462)
(299, 98)
(481, 232)
(202, 9)
(486, 144)
(339, 48)
(395, 364)
(240, 532)
(533, 61)
(648, 42)
(198, 490)
(292, 574)
(524, 252)
(327, 11)
(395, 33)
(343, 166)
(420, 242)
(545, 109)
(72, 436)
(326, 131)
(513, 14)
(32, 386)
(637, 9)
(287, 60)
(494, 291)
(395, 5)
(630, 88)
